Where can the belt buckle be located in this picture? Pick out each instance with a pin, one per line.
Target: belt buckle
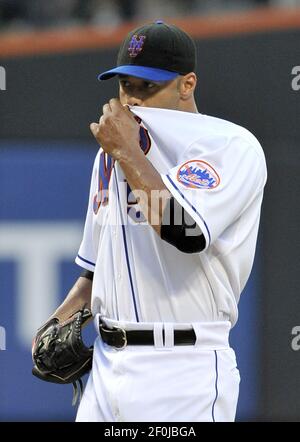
(124, 337)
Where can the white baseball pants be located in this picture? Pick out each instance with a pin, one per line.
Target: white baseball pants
(189, 383)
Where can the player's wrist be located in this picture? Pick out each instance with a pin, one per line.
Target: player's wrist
(128, 153)
(131, 157)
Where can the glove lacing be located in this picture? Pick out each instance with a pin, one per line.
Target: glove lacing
(77, 391)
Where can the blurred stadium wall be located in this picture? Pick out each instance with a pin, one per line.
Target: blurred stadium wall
(247, 69)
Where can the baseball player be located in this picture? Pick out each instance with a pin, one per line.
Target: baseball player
(168, 243)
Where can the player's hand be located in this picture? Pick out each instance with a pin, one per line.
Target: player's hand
(117, 131)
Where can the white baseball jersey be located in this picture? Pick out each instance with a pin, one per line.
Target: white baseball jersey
(216, 170)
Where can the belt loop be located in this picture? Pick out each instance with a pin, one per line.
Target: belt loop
(197, 330)
(169, 334)
(97, 322)
(158, 335)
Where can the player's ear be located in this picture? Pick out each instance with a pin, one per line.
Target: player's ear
(187, 85)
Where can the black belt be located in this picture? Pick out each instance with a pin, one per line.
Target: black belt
(119, 338)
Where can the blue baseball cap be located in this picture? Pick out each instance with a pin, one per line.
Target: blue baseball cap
(156, 52)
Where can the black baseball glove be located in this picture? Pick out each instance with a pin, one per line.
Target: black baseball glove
(59, 354)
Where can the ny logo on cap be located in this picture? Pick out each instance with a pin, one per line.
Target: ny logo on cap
(136, 45)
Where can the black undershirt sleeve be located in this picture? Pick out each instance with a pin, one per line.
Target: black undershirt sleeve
(180, 230)
(87, 274)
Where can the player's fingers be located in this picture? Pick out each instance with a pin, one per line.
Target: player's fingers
(106, 109)
(126, 108)
(94, 127)
(115, 105)
(130, 114)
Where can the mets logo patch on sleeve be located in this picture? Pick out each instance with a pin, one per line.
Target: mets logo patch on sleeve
(198, 174)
